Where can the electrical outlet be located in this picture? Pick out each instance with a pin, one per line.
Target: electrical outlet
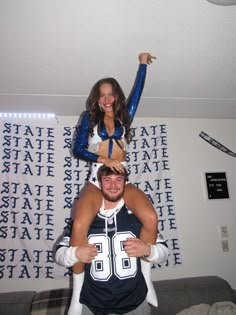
(225, 245)
(224, 231)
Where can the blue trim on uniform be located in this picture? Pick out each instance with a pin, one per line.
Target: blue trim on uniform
(80, 146)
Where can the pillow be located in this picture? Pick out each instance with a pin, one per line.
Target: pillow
(218, 308)
(55, 301)
(200, 309)
(223, 308)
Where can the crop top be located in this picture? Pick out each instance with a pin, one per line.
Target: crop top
(86, 146)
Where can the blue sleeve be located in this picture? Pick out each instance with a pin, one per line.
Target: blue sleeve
(80, 144)
(134, 97)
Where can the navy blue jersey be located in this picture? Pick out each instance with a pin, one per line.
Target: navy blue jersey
(113, 282)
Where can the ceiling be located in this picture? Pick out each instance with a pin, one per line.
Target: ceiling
(53, 51)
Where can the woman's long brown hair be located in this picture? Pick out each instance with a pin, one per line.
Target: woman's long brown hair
(121, 113)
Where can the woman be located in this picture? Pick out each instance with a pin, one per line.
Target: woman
(102, 138)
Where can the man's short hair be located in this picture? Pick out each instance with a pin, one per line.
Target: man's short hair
(106, 171)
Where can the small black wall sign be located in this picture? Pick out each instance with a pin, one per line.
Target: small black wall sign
(217, 185)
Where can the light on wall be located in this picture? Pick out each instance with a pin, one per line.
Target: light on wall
(27, 115)
(223, 2)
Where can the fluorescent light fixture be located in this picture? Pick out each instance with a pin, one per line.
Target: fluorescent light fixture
(27, 115)
(223, 2)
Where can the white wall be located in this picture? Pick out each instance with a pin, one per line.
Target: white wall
(198, 219)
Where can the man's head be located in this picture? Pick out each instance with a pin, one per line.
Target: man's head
(112, 183)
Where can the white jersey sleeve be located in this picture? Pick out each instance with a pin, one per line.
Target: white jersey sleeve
(65, 254)
(159, 251)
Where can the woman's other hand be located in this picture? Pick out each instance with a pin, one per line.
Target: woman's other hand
(113, 164)
(146, 58)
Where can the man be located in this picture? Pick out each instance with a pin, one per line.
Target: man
(113, 280)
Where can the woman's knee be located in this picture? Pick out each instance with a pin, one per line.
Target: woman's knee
(88, 203)
(153, 217)
(149, 220)
(90, 194)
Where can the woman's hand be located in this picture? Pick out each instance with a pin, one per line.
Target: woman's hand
(114, 165)
(146, 58)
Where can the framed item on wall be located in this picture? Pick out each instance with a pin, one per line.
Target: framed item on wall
(216, 183)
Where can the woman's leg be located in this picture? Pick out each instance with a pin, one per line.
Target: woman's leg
(139, 204)
(86, 208)
(75, 306)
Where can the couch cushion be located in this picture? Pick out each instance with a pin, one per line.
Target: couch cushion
(177, 294)
(218, 308)
(18, 303)
(51, 302)
(200, 309)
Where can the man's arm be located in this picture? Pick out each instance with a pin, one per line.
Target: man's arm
(67, 255)
(156, 254)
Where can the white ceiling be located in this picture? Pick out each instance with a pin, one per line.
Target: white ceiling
(53, 51)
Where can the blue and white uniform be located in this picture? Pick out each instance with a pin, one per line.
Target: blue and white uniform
(85, 147)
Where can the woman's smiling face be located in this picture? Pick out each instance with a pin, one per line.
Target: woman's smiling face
(106, 97)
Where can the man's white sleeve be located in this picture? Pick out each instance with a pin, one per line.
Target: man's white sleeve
(159, 251)
(65, 254)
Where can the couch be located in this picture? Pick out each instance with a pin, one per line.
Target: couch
(173, 296)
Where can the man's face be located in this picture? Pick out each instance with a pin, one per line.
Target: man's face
(112, 187)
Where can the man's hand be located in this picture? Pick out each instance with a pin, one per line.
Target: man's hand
(86, 253)
(134, 247)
